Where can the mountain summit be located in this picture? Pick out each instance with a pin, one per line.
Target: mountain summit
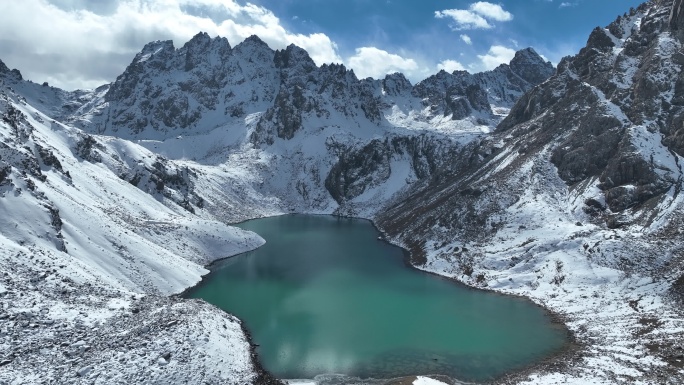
(206, 83)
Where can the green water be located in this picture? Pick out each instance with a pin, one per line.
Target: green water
(324, 295)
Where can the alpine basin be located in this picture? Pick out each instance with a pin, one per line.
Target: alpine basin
(324, 295)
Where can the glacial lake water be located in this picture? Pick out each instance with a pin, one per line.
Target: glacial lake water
(324, 295)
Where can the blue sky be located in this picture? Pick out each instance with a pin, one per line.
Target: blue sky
(554, 28)
(86, 43)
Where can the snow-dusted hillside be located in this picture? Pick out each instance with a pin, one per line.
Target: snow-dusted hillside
(86, 256)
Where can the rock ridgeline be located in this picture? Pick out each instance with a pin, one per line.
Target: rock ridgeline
(166, 91)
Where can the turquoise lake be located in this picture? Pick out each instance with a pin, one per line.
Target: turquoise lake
(324, 295)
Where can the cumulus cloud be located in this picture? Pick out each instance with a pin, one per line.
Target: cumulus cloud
(477, 16)
(450, 66)
(491, 11)
(376, 63)
(496, 55)
(466, 39)
(79, 45)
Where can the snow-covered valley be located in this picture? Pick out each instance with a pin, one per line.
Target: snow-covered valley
(115, 199)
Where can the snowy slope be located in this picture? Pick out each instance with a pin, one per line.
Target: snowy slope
(85, 250)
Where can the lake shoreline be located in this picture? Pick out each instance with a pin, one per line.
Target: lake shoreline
(564, 357)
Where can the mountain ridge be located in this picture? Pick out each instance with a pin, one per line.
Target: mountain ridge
(222, 67)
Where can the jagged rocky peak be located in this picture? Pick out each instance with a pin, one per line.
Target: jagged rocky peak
(599, 40)
(529, 65)
(254, 50)
(253, 42)
(202, 39)
(167, 91)
(462, 94)
(153, 48)
(294, 57)
(202, 48)
(453, 95)
(396, 84)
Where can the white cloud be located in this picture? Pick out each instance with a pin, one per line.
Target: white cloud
(477, 16)
(376, 63)
(566, 4)
(450, 66)
(78, 47)
(464, 19)
(497, 55)
(466, 39)
(491, 11)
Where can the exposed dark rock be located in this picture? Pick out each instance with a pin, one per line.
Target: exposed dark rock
(88, 148)
(676, 20)
(358, 170)
(396, 84)
(531, 67)
(599, 40)
(18, 121)
(295, 58)
(5, 171)
(49, 159)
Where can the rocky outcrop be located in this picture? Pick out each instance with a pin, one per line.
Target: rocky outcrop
(452, 94)
(359, 169)
(529, 66)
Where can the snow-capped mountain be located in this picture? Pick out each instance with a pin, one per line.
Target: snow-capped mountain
(303, 117)
(207, 84)
(115, 198)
